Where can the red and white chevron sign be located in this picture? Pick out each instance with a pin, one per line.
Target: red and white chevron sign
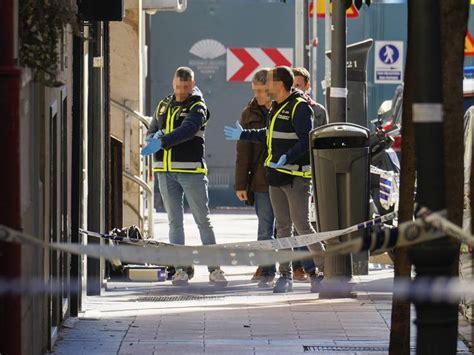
(242, 63)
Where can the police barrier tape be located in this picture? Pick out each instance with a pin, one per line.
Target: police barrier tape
(438, 289)
(273, 244)
(254, 253)
(162, 254)
(378, 171)
(428, 226)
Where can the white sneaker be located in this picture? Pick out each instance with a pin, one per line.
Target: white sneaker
(217, 278)
(180, 278)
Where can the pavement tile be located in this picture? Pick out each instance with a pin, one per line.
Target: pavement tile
(334, 337)
(283, 336)
(367, 332)
(66, 348)
(232, 346)
(279, 349)
(227, 335)
(247, 342)
(179, 348)
(366, 337)
(236, 352)
(184, 331)
(317, 326)
(323, 335)
(184, 335)
(269, 337)
(79, 352)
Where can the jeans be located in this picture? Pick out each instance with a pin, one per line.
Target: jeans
(266, 224)
(173, 187)
(291, 206)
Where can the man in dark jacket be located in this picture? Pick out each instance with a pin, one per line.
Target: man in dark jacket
(288, 164)
(250, 171)
(303, 83)
(176, 138)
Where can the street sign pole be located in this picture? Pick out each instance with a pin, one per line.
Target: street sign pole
(338, 268)
(314, 53)
(327, 46)
(300, 50)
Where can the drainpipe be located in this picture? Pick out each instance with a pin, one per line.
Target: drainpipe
(10, 214)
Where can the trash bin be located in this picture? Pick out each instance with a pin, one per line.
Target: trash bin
(341, 170)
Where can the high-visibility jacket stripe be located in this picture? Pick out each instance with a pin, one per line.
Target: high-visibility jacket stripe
(285, 135)
(269, 135)
(296, 170)
(298, 101)
(179, 165)
(169, 118)
(295, 167)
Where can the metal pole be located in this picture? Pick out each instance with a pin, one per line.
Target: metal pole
(327, 47)
(314, 53)
(76, 172)
(95, 219)
(436, 322)
(306, 35)
(10, 210)
(338, 268)
(338, 93)
(299, 33)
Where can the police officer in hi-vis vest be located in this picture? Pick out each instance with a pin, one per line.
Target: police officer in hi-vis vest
(288, 165)
(176, 138)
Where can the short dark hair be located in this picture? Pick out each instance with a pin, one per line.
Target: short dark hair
(303, 72)
(285, 75)
(184, 73)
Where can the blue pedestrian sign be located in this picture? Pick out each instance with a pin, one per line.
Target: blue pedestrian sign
(389, 54)
(388, 62)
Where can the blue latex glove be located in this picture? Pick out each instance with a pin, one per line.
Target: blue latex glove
(279, 163)
(233, 134)
(157, 134)
(154, 145)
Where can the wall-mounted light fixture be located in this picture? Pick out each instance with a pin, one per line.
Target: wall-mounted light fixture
(151, 7)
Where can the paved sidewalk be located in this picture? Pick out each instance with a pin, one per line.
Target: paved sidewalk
(157, 318)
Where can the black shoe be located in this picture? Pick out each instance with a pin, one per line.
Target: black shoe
(266, 281)
(170, 271)
(315, 280)
(283, 285)
(190, 271)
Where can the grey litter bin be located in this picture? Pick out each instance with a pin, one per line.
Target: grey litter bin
(340, 170)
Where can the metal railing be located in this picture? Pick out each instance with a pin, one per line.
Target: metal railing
(145, 121)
